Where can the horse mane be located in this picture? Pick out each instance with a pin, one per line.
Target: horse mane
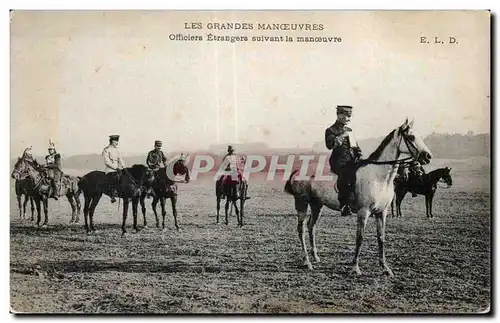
(376, 154)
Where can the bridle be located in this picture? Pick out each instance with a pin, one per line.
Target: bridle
(410, 145)
(22, 174)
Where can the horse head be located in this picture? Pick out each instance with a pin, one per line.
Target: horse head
(411, 143)
(446, 176)
(24, 168)
(180, 168)
(20, 169)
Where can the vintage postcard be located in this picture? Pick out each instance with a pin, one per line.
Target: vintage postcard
(250, 162)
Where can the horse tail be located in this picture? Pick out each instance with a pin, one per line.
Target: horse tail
(289, 183)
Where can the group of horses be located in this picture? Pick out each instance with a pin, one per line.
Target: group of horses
(376, 188)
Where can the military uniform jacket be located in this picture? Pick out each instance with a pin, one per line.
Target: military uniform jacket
(155, 159)
(343, 150)
(231, 162)
(112, 159)
(53, 161)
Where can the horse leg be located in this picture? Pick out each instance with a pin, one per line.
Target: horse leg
(125, 212)
(431, 196)
(234, 202)
(45, 201)
(18, 197)
(32, 209)
(135, 204)
(78, 208)
(427, 211)
(399, 200)
(173, 200)
(301, 207)
(86, 207)
(228, 200)
(26, 198)
(163, 211)
(311, 225)
(218, 206)
(38, 211)
(380, 217)
(73, 208)
(242, 207)
(93, 205)
(143, 209)
(153, 206)
(363, 215)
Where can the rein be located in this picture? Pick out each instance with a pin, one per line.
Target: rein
(396, 161)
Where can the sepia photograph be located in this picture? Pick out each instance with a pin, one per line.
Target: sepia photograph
(250, 162)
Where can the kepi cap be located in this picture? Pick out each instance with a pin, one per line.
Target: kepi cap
(344, 108)
(114, 137)
(158, 143)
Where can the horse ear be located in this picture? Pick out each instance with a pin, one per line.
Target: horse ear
(410, 125)
(18, 158)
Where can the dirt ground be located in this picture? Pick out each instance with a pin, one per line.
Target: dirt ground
(441, 265)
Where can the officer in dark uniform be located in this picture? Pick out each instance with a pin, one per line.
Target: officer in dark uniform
(54, 172)
(345, 153)
(416, 172)
(156, 157)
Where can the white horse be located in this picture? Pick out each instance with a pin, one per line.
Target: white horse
(374, 191)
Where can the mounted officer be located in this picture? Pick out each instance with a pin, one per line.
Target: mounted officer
(233, 166)
(54, 172)
(155, 160)
(345, 154)
(416, 171)
(113, 164)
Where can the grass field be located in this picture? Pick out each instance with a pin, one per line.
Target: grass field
(441, 265)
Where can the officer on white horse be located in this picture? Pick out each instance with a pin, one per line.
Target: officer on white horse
(345, 153)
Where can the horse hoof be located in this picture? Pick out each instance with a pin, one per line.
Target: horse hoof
(316, 258)
(145, 227)
(355, 270)
(388, 272)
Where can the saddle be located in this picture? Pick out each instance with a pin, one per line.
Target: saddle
(228, 179)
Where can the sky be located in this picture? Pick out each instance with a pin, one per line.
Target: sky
(77, 77)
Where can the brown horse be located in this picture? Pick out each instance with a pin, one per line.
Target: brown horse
(132, 183)
(233, 190)
(426, 187)
(165, 187)
(38, 186)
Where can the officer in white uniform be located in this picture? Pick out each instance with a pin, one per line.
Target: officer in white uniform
(113, 164)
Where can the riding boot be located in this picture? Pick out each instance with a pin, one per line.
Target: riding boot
(55, 190)
(343, 187)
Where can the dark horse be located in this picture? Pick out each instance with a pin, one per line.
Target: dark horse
(233, 190)
(133, 181)
(164, 187)
(427, 187)
(22, 188)
(37, 185)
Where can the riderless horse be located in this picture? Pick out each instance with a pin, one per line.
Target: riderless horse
(165, 187)
(39, 188)
(132, 183)
(427, 187)
(374, 191)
